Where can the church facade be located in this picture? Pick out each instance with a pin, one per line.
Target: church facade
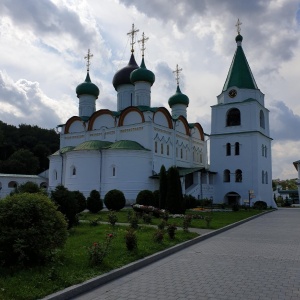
(125, 149)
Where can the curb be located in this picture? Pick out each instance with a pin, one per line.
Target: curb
(76, 290)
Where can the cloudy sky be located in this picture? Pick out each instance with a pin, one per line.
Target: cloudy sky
(43, 44)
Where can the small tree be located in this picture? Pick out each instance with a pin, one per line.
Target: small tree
(94, 203)
(31, 229)
(80, 201)
(28, 187)
(163, 187)
(66, 202)
(174, 201)
(145, 197)
(114, 200)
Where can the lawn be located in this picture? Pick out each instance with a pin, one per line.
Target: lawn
(71, 265)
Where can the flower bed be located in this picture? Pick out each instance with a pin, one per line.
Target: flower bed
(156, 212)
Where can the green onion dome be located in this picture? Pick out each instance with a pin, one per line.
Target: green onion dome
(238, 38)
(178, 98)
(142, 74)
(123, 75)
(87, 87)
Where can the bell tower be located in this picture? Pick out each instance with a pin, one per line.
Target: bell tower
(240, 142)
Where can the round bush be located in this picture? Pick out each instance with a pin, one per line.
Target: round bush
(94, 203)
(260, 205)
(145, 197)
(114, 200)
(80, 201)
(31, 229)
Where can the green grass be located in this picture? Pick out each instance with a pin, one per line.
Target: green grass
(71, 265)
(219, 218)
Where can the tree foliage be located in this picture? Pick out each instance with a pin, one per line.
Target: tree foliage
(40, 142)
(174, 200)
(114, 200)
(31, 229)
(163, 187)
(66, 203)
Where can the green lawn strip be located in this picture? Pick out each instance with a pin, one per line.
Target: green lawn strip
(71, 265)
(219, 218)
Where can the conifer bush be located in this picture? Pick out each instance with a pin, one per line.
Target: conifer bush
(31, 229)
(114, 200)
(80, 201)
(94, 203)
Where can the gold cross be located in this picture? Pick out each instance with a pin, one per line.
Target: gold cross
(177, 71)
(238, 26)
(143, 40)
(88, 58)
(132, 33)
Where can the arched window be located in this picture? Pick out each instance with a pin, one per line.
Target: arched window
(162, 148)
(181, 153)
(228, 149)
(155, 147)
(262, 119)
(55, 175)
(237, 148)
(265, 151)
(262, 150)
(226, 176)
(12, 184)
(238, 176)
(262, 177)
(168, 150)
(233, 117)
(266, 177)
(201, 160)
(113, 171)
(73, 171)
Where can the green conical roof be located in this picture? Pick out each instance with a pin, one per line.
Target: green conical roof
(240, 74)
(87, 87)
(178, 98)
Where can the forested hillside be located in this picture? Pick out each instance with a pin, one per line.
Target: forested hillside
(24, 149)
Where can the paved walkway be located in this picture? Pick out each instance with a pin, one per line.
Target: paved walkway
(256, 260)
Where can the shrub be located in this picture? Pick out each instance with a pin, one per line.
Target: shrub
(98, 251)
(158, 236)
(171, 231)
(208, 219)
(114, 200)
(145, 197)
(235, 207)
(66, 202)
(112, 218)
(80, 201)
(187, 220)
(162, 224)
(31, 229)
(147, 218)
(94, 203)
(134, 221)
(28, 187)
(131, 239)
(190, 201)
(260, 205)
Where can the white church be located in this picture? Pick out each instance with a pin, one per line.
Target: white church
(125, 149)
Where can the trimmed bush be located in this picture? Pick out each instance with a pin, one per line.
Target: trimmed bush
(31, 229)
(94, 203)
(28, 187)
(145, 197)
(260, 205)
(66, 204)
(114, 200)
(190, 201)
(80, 201)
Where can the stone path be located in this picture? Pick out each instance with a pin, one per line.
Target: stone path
(259, 259)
